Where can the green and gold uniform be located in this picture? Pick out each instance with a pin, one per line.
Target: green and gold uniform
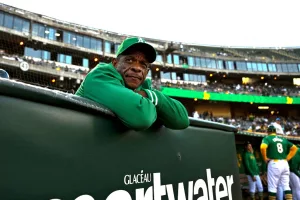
(105, 85)
(252, 172)
(279, 150)
(295, 164)
(250, 165)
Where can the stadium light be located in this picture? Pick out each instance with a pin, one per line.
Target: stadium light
(275, 78)
(21, 43)
(224, 75)
(262, 78)
(157, 69)
(211, 75)
(272, 112)
(95, 59)
(53, 80)
(263, 107)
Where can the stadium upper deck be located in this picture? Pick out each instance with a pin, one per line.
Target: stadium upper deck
(34, 41)
(42, 28)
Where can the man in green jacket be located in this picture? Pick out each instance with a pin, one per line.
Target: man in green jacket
(252, 172)
(122, 87)
(294, 164)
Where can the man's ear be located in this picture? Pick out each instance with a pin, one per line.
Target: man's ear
(114, 62)
(147, 72)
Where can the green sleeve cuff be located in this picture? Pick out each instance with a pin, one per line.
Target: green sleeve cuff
(151, 96)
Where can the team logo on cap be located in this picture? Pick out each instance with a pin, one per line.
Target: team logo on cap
(141, 40)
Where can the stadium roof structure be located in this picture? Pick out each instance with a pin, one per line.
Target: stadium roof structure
(261, 54)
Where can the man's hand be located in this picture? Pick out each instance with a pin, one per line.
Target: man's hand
(253, 178)
(267, 160)
(143, 93)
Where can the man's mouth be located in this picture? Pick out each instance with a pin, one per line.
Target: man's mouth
(133, 77)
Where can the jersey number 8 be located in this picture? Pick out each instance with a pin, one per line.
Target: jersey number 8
(279, 148)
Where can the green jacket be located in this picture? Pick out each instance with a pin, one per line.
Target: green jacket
(106, 86)
(250, 164)
(294, 163)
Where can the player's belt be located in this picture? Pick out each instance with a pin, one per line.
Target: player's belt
(276, 160)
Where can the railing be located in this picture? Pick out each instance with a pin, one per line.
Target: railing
(259, 134)
(42, 69)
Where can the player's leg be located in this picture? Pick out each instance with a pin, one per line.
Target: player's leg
(273, 178)
(285, 180)
(280, 193)
(251, 187)
(295, 185)
(259, 187)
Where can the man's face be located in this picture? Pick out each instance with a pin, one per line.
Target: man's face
(278, 122)
(249, 147)
(133, 68)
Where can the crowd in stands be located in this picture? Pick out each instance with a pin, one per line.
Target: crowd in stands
(45, 63)
(255, 89)
(253, 123)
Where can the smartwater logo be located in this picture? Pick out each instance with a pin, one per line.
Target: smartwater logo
(219, 188)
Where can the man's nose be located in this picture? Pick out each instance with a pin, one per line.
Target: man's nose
(136, 68)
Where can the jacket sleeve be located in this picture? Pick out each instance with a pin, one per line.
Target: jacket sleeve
(170, 111)
(294, 166)
(135, 111)
(247, 165)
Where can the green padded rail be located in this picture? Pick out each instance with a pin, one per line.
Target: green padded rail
(57, 146)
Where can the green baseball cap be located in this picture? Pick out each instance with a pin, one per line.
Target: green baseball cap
(139, 44)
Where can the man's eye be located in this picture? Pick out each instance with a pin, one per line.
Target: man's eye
(145, 66)
(129, 60)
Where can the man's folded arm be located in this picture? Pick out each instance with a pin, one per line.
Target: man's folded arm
(170, 111)
(135, 111)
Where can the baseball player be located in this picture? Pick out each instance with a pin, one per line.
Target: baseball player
(279, 131)
(252, 172)
(276, 151)
(295, 175)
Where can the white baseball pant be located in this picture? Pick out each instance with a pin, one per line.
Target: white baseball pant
(295, 186)
(253, 185)
(278, 174)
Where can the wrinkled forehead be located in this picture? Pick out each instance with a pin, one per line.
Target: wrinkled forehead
(137, 55)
